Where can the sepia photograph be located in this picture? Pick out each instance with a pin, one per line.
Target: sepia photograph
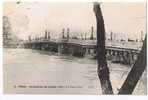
(74, 48)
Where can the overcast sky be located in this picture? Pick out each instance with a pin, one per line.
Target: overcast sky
(125, 19)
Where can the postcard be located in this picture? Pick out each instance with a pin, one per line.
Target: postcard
(78, 48)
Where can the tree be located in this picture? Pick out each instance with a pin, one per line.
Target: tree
(135, 73)
(103, 70)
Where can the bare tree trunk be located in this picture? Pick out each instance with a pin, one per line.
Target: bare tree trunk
(135, 73)
(103, 70)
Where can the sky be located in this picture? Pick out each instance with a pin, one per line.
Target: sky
(125, 20)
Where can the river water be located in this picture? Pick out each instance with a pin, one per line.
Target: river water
(41, 72)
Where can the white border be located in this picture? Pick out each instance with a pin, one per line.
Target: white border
(82, 0)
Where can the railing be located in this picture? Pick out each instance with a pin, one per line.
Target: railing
(112, 44)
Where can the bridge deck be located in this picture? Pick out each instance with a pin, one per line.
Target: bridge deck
(109, 44)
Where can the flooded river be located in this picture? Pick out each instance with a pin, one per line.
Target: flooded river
(41, 72)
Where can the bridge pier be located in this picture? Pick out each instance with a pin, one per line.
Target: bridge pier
(125, 57)
(70, 49)
(108, 54)
(119, 55)
(60, 49)
(77, 51)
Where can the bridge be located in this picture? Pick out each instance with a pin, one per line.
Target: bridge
(117, 51)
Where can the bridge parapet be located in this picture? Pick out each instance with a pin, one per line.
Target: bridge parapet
(92, 43)
(113, 44)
